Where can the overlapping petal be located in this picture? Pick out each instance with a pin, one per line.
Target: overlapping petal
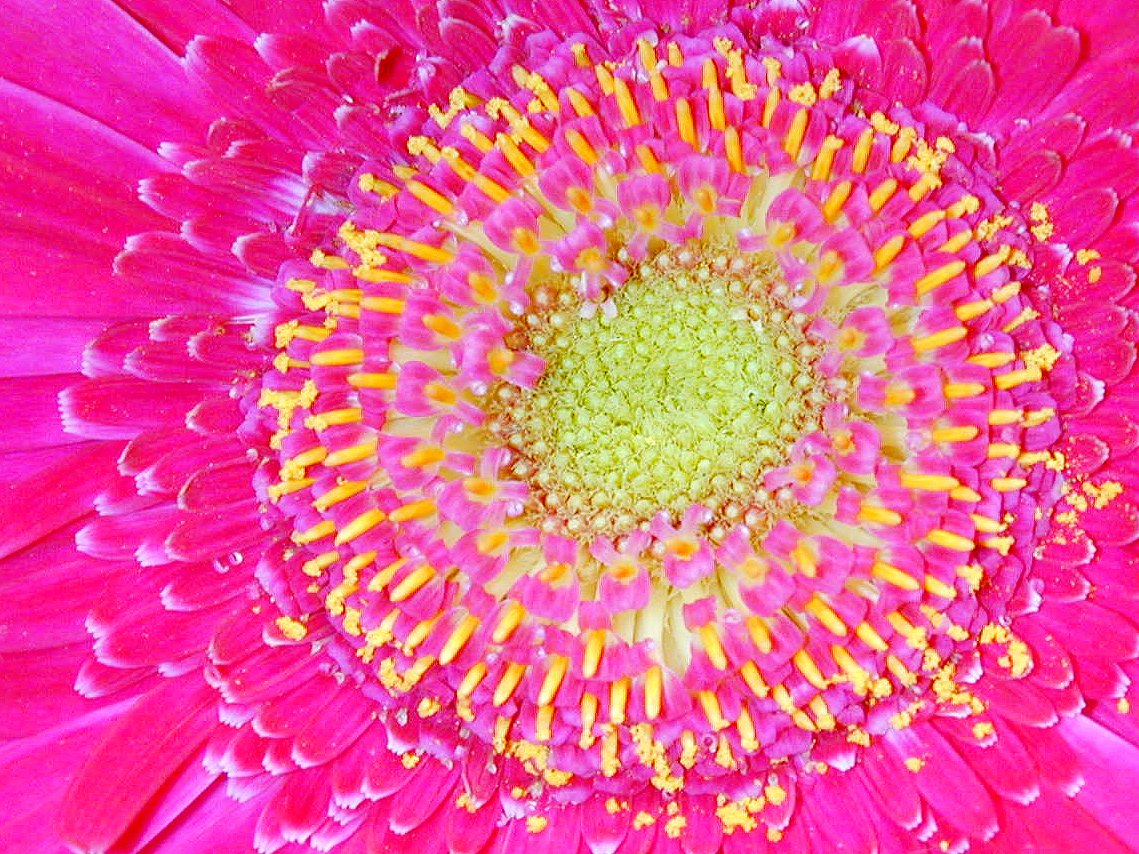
(171, 169)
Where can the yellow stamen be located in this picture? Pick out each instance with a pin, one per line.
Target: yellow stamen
(949, 540)
(442, 325)
(685, 124)
(760, 634)
(471, 681)
(824, 160)
(925, 223)
(581, 146)
(882, 194)
(879, 515)
(360, 525)
(929, 482)
(384, 305)
(458, 639)
(423, 457)
(591, 658)
(351, 454)
(625, 102)
(796, 133)
(862, 150)
(733, 149)
(990, 263)
(956, 391)
(822, 612)
(832, 207)
(713, 647)
(553, 679)
(1014, 378)
(384, 381)
(712, 711)
(432, 198)
(893, 575)
(315, 566)
(938, 339)
(869, 636)
(415, 510)
(961, 433)
(654, 692)
(810, 670)
(1008, 484)
(412, 582)
(938, 277)
(939, 588)
(619, 699)
(888, 251)
(336, 358)
(992, 360)
(972, 310)
(319, 531)
(508, 683)
(510, 620)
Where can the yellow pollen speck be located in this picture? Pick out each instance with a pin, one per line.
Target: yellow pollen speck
(804, 94)
(1123, 706)
(1026, 315)
(410, 760)
(1043, 357)
(774, 69)
(1086, 256)
(1103, 494)
(675, 825)
(736, 816)
(292, 628)
(775, 793)
(989, 227)
(958, 633)
(536, 823)
(831, 85)
(982, 730)
(880, 123)
(1018, 258)
(642, 820)
(556, 778)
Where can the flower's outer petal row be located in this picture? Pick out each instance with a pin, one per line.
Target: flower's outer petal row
(75, 501)
(140, 72)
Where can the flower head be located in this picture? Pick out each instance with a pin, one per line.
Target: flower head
(572, 428)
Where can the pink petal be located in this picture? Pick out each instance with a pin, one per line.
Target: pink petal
(143, 752)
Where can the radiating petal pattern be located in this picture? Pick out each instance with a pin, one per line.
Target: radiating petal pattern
(490, 425)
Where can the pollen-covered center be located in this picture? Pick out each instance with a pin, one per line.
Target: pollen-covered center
(685, 387)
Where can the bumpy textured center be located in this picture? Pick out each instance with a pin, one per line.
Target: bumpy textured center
(675, 392)
(678, 425)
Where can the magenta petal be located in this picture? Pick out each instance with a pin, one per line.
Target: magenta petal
(139, 755)
(71, 497)
(945, 781)
(467, 833)
(137, 72)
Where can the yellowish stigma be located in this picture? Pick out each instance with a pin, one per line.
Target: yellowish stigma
(683, 388)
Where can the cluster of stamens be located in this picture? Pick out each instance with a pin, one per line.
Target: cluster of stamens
(684, 388)
(661, 400)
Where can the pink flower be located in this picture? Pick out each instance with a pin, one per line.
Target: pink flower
(580, 427)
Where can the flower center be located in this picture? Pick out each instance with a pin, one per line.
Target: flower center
(672, 424)
(683, 388)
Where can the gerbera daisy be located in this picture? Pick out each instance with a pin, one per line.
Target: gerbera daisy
(474, 427)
